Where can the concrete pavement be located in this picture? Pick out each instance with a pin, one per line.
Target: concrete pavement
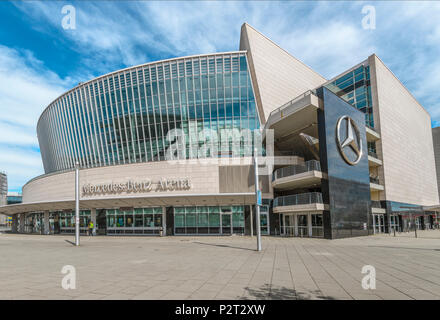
(220, 267)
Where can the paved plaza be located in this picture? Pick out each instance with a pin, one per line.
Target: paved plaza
(220, 267)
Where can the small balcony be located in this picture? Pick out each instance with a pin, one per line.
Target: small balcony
(311, 201)
(376, 207)
(298, 176)
(372, 135)
(373, 159)
(375, 184)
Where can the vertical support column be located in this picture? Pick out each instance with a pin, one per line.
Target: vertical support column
(14, 226)
(436, 220)
(93, 218)
(252, 219)
(77, 226)
(46, 226)
(294, 219)
(309, 224)
(258, 201)
(281, 223)
(22, 219)
(164, 221)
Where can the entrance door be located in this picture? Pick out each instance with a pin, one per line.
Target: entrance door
(101, 223)
(378, 223)
(226, 223)
(289, 226)
(317, 226)
(303, 229)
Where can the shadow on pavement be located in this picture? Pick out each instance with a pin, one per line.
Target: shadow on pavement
(222, 245)
(283, 293)
(68, 241)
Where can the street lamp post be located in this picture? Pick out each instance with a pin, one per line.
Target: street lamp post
(77, 204)
(258, 202)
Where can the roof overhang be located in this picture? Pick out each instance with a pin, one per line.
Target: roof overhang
(432, 208)
(134, 201)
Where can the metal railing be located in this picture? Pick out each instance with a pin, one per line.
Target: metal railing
(305, 94)
(374, 180)
(310, 165)
(296, 199)
(373, 154)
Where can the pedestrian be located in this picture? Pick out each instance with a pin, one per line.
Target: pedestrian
(91, 228)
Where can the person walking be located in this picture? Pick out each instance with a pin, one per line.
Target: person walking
(91, 228)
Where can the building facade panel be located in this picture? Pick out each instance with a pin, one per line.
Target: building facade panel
(204, 179)
(406, 142)
(436, 142)
(278, 76)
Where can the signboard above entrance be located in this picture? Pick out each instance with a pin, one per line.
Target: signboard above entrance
(146, 185)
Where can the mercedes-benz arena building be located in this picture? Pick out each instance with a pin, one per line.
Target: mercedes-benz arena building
(155, 144)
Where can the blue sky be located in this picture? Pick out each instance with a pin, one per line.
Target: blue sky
(39, 60)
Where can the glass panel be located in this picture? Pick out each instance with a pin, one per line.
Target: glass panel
(111, 221)
(190, 219)
(179, 220)
(263, 224)
(214, 219)
(214, 209)
(202, 219)
(148, 210)
(148, 220)
(226, 220)
(225, 209)
(316, 220)
(119, 219)
(128, 219)
(238, 219)
(138, 220)
(158, 220)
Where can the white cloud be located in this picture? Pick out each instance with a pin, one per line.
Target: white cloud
(26, 88)
(20, 164)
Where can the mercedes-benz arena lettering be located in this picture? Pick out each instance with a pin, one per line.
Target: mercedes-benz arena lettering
(167, 148)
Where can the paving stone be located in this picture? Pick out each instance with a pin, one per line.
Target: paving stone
(220, 267)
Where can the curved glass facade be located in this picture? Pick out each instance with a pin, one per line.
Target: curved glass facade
(124, 117)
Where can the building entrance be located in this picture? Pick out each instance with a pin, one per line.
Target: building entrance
(302, 224)
(378, 223)
(226, 223)
(134, 221)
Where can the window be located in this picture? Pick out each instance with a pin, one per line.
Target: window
(206, 220)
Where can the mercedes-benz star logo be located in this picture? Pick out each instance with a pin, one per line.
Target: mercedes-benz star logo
(352, 140)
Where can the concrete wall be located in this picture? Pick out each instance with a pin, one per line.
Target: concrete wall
(436, 142)
(204, 177)
(277, 76)
(406, 147)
